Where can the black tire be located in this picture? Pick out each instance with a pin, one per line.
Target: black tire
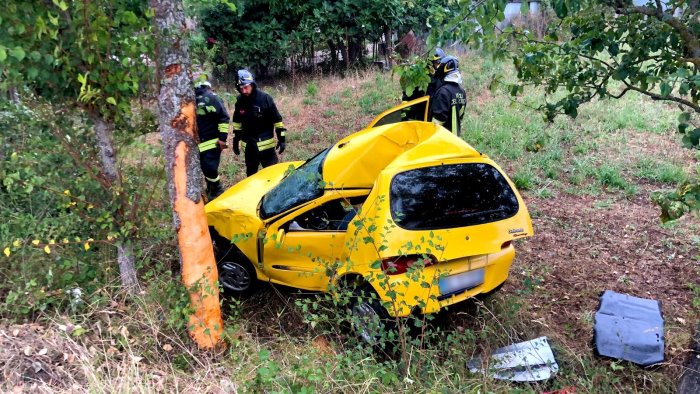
(237, 277)
(369, 320)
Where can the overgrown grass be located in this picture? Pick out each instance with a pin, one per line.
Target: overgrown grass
(278, 342)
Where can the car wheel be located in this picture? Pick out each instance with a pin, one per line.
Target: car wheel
(368, 318)
(237, 277)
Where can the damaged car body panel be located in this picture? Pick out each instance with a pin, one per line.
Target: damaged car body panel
(385, 197)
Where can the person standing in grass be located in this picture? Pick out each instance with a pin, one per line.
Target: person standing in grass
(256, 120)
(212, 126)
(448, 104)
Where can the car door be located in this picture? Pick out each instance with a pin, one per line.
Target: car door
(412, 110)
(302, 248)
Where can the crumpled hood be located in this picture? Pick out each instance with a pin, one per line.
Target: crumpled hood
(235, 212)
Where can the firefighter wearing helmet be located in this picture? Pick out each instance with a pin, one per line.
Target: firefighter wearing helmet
(448, 103)
(256, 121)
(212, 127)
(415, 113)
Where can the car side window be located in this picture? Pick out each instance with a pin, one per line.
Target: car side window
(332, 216)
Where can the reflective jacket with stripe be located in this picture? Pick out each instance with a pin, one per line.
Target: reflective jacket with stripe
(447, 107)
(212, 120)
(256, 119)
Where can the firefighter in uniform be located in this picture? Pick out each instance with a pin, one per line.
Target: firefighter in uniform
(256, 120)
(212, 126)
(415, 113)
(448, 103)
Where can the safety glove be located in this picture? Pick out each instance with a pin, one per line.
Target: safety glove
(236, 150)
(281, 145)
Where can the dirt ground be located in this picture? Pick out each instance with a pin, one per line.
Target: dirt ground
(582, 249)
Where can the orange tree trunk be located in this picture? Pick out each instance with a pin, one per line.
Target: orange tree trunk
(179, 135)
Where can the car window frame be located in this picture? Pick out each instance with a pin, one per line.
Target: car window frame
(399, 108)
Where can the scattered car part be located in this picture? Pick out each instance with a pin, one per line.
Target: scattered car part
(629, 328)
(528, 361)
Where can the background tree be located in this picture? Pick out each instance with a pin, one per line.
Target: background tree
(606, 49)
(88, 56)
(177, 123)
(269, 35)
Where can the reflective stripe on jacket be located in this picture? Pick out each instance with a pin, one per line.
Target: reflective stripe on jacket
(448, 106)
(212, 119)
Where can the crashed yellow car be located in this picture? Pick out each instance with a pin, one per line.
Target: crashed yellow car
(403, 209)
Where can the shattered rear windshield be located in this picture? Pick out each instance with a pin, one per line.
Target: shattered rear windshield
(450, 196)
(301, 185)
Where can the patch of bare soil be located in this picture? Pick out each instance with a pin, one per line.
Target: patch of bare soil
(33, 358)
(580, 250)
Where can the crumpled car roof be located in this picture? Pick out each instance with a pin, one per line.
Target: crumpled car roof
(356, 160)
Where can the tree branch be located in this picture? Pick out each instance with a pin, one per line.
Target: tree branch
(659, 97)
(687, 35)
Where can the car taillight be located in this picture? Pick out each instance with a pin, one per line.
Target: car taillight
(506, 244)
(400, 264)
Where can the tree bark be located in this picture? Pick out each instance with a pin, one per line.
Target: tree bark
(127, 267)
(334, 53)
(177, 125)
(389, 47)
(104, 133)
(346, 51)
(105, 142)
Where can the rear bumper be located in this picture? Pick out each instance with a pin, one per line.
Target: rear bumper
(423, 294)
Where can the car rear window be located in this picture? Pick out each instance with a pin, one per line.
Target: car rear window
(450, 196)
(300, 186)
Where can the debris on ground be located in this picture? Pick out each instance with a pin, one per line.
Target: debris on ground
(629, 328)
(528, 361)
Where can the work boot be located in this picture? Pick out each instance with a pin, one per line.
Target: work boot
(214, 189)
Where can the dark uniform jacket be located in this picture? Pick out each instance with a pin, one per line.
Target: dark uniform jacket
(256, 119)
(418, 112)
(212, 119)
(448, 106)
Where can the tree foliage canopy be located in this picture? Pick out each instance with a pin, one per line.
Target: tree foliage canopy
(93, 53)
(266, 34)
(607, 48)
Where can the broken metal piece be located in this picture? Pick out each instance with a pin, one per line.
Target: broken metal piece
(528, 361)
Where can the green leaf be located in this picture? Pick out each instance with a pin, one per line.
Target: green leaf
(692, 139)
(111, 100)
(524, 8)
(61, 4)
(3, 54)
(18, 53)
(665, 89)
(53, 19)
